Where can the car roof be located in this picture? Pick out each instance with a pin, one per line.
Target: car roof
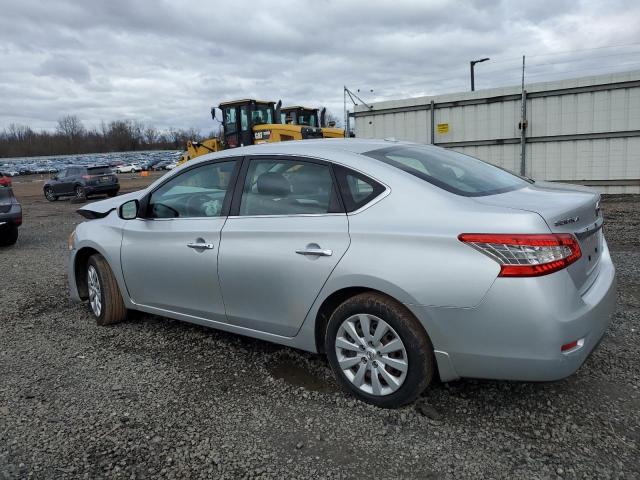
(301, 147)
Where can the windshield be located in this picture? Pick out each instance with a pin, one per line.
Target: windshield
(263, 113)
(6, 194)
(307, 117)
(99, 171)
(450, 170)
(229, 119)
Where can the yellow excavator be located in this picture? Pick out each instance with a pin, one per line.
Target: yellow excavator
(249, 122)
(297, 115)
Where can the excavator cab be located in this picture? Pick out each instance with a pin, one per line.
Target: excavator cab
(300, 116)
(312, 117)
(243, 119)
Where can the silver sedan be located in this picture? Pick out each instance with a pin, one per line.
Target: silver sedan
(400, 262)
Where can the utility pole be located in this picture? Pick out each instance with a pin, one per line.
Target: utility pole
(472, 64)
(523, 126)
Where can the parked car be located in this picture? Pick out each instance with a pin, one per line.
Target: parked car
(81, 182)
(170, 165)
(5, 180)
(10, 217)
(129, 168)
(160, 166)
(399, 261)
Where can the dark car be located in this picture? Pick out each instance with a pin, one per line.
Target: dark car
(10, 217)
(82, 181)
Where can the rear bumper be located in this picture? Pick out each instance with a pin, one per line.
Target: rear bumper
(517, 331)
(13, 218)
(111, 187)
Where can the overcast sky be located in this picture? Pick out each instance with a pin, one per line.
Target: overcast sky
(167, 62)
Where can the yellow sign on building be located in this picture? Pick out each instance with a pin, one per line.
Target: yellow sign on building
(443, 128)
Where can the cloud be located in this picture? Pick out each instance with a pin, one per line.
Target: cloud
(64, 68)
(167, 62)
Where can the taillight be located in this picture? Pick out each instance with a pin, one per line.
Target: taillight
(86, 177)
(526, 255)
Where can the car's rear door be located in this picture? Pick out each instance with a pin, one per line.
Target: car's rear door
(286, 233)
(170, 257)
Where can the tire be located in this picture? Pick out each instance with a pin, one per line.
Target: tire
(112, 194)
(49, 195)
(111, 307)
(414, 353)
(79, 192)
(8, 236)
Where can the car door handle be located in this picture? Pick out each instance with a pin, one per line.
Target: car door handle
(321, 252)
(198, 246)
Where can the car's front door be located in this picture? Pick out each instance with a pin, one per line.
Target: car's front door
(56, 184)
(286, 233)
(170, 257)
(63, 186)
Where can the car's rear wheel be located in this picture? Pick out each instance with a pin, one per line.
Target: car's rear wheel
(105, 299)
(379, 351)
(8, 235)
(112, 194)
(49, 195)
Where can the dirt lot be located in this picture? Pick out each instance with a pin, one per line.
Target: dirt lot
(155, 398)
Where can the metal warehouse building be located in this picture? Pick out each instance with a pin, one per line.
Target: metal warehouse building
(582, 130)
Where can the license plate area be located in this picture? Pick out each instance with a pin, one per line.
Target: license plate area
(105, 179)
(592, 250)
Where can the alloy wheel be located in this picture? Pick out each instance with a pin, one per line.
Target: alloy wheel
(95, 291)
(79, 192)
(371, 354)
(49, 194)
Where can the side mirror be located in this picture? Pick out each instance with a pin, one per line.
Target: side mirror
(129, 210)
(213, 113)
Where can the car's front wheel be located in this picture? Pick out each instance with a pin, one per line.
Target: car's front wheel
(49, 195)
(379, 351)
(104, 295)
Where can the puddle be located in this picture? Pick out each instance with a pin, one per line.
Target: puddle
(298, 375)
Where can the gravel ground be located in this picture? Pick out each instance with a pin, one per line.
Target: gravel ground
(156, 398)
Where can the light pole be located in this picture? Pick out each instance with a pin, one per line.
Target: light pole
(472, 63)
(351, 95)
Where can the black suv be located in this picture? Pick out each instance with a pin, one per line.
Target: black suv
(81, 182)
(10, 217)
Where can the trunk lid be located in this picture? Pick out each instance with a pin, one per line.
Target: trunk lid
(566, 209)
(6, 199)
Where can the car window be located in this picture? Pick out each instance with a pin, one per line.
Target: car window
(198, 192)
(450, 170)
(244, 118)
(288, 187)
(62, 173)
(357, 189)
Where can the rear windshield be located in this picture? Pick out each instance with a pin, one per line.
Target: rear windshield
(5, 194)
(449, 170)
(99, 170)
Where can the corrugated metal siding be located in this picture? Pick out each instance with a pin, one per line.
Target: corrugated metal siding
(571, 113)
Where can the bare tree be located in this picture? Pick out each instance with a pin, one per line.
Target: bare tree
(70, 126)
(151, 135)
